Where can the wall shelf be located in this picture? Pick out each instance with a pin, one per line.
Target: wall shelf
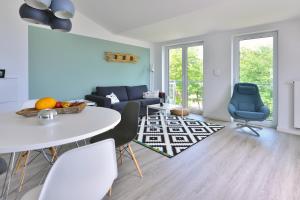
(120, 57)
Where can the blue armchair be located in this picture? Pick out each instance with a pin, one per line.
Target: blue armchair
(246, 105)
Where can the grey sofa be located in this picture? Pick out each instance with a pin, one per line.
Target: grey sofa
(125, 94)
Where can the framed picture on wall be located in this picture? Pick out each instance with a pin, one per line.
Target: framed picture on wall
(2, 73)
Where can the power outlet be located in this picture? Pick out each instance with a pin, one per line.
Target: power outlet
(2, 73)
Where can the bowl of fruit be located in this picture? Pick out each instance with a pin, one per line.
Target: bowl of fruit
(46, 103)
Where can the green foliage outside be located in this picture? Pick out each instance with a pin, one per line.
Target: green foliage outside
(256, 66)
(175, 75)
(195, 75)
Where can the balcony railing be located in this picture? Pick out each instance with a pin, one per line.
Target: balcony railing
(195, 93)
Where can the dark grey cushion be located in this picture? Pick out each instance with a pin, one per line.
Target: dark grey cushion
(119, 91)
(119, 106)
(136, 92)
(146, 102)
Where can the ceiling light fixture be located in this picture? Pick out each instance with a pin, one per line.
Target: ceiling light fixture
(33, 15)
(63, 25)
(39, 4)
(63, 9)
(55, 13)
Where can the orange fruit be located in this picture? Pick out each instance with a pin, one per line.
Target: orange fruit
(45, 103)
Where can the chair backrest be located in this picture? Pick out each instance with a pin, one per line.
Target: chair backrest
(129, 122)
(29, 104)
(82, 173)
(246, 97)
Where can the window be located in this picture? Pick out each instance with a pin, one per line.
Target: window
(256, 62)
(185, 76)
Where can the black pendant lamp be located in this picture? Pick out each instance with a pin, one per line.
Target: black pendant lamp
(55, 13)
(34, 15)
(58, 24)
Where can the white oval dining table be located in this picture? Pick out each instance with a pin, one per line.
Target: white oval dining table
(18, 133)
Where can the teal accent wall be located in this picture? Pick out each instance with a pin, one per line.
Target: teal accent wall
(68, 66)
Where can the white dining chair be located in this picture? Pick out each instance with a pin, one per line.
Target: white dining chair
(87, 172)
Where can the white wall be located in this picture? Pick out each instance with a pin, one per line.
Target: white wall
(217, 55)
(13, 49)
(14, 45)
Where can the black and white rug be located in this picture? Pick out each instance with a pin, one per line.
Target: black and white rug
(172, 135)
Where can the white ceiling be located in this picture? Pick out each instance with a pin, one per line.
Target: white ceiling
(162, 20)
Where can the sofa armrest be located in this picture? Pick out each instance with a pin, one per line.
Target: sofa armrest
(100, 101)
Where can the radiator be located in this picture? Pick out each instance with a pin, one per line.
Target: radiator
(297, 104)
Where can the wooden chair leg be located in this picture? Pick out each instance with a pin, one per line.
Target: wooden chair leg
(110, 192)
(53, 152)
(135, 160)
(23, 172)
(121, 154)
(18, 163)
(21, 161)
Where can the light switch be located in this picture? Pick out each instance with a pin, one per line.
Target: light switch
(217, 72)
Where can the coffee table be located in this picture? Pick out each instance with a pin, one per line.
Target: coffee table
(164, 108)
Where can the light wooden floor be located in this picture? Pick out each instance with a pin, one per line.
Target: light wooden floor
(229, 165)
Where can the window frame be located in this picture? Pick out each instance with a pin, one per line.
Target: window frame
(184, 47)
(236, 68)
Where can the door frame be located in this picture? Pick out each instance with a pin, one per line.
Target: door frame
(184, 48)
(236, 66)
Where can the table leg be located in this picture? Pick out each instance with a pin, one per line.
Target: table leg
(5, 180)
(147, 114)
(8, 177)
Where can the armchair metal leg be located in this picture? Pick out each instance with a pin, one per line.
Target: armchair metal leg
(251, 127)
(254, 131)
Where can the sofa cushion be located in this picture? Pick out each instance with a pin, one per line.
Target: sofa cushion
(136, 92)
(119, 106)
(119, 91)
(146, 102)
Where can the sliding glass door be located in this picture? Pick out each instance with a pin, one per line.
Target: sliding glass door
(185, 76)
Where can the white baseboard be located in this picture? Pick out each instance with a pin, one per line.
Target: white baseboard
(288, 130)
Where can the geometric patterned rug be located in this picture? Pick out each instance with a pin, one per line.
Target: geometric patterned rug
(172, 135)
